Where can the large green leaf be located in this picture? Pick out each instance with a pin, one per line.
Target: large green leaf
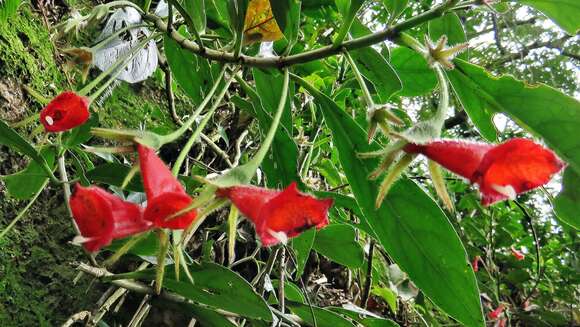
(196, 10)
(281, 164)
(564, 12)
(409, 224)
(473, 104)
(324, 318)
(192, 73)
(10, 138)
(413, 70)
(207, 317)
(215, 286)
(540, 109)
(567, 203)
(377, 70)
(338, 243)
(26, 183)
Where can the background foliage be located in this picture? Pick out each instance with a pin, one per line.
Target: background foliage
(407, 263)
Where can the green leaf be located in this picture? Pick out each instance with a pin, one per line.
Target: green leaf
(388, 295)
(215, 286)
(395, 7)
(324, 318)
(413, 70)
(10, 138)
(473, 105)
(377, 70)
(409, 224)
(348, 16)
(567, 203)
(287, 16)
(301, 246)
(114, 174)
(565, 13)
(291, 291)
(280, 165)
(540, 109)
(80, 134)
(25, 184)
(338, 243)
(191, 72)
(207, 317)
(196, 10)
(148, 246)
(449, 25)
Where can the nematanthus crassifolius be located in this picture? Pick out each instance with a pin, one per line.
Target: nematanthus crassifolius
(278, 215)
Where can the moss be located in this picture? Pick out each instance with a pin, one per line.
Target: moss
(36, 287)
(27, 54)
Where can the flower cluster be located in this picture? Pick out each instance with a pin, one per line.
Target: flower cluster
(102, 217)
(278, 215)
(501, 171)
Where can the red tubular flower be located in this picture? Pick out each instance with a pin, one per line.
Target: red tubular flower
(495, 313)
(501, 171)
(517, 254)
(278, 215)
(102, 217)
(165, 195)
(475, 263)
(68, 110)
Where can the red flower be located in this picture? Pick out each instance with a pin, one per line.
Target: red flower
(502, 322)
(495, 313)
(475, 263)
(165, 195)
(501, 171)
(517, 254)
(102, 217)
(278, 215)
(68, 110)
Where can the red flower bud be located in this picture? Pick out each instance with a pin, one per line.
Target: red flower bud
(165, 195)
(517, 254)
(278, 215)
(501, 171)
(475, 263)
(495, 313)
(102, 217)
(68, 110)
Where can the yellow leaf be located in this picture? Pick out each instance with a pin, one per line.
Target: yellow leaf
(260, 25)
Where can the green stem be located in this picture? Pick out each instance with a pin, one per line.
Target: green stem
(361, 81)
(187, 147)
(439, 117)
(177, 134)
(261, 154)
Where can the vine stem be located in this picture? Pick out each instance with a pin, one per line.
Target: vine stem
(187, 147)
(391, 33)
(66, 190)
(281, 296)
